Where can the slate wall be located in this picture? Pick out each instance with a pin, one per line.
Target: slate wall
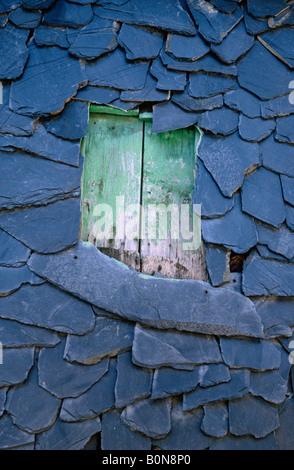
(94, 354)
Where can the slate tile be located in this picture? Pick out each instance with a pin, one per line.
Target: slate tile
(16, 335)
(2, 399)
(277, 42)
(236, 387)
(12, 252)
(213, 374)
(116, 436)
(285, 131)
(179, 350)
(213, 24)
(67, 436)
(185, 431)
(96, 38)
(167, 79)
(218, 265)
(254, 25)
(108, 338)
(149, 417)
(64, 13)
(197, 105)
(276, 315)
(186, 48)
(124, 105)
(37, 4)
(204, 85)
(9, 5)
(243, 101)
(256, 129)
(279, 241)
(266, 253)
(39, 413)
(259, 83)
(97, 94)
(63, 379)
(132, 382)
(254, 416)
(98, 399)
(277, 107)
(16, 124)
(267, 277)
(260, 9)
(223, 121)
(168, 116)
(113, 70)
(286, 17)
(173, 16)
(14, 51)
(11, 437)
(290, 216)
(207, 193)
(148, 93)
(224, 5)
(215, 421)
(235, 283)
(17, 363)
(25, 19)
(284, 438)
(47, 307)
(34, 97)
(50, 36)
(236, 44)
(228, 160)
(3, 20)
(72, 123)
(230, 442)
(250, 353)
(139, 43)
(262, 198)
(207, 63)
(12, 278)
(277, 156)
(235, 230)
(27, 180)
(186, 305)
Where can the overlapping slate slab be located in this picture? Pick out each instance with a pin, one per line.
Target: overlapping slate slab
(277, 156)
(259, 9)
(12, 437)
(72, 123)
(203, 85)
(225, 6)
(35, 96)
(17, 362)
(285, 131)
(47, 307)
(228, 160)
(12, 123)
(280, 241)
(215, 421)
(256, 129)
(12, 252)
(236, 44)
(12, 278)
(276, 315)
(242, 100)
(208, 63)
(283, 437)
(64, 13)
(277, 107)
(149, 300)
(97, 94)
(223, 121)
(14, 335)
(37, 4)
(49, 36)
(218, 265)
(186, 48)
(286, 17)
(9, 5)
(25, 19)
(14, 51)
(139, 43)
(289, 216)
(190, 104)
(147, 93)
(167, 79)
(168, 116)
(277, 42)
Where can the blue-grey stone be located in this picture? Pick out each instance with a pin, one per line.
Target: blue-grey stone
(280, 241)
(213, 24)
(11, 437)
(267, 277)
(25, 19)
(285, 131)
(256, 354)
(14, 335)
(139, 43)
(262, 197)
(185, 431)
(260, 9)
(148, 93)
(40, 410)
(162, 303)
(63, 379)
(277, 107)
(149, 417)
(278, 42)
(12, 278)
(172, 17)
(37, 4)
(186, 48)
(265, 252)
(17, 362)
(116, 436)
(256, 129)
(3, 19)
(218, 264)
(109, 337)
(113, 70)
(12, 252)
(167, 79)
(98, 399)
(180, 350)
(203, 85)
(207, 193)
(168, 116)
(49, 308)
(259, 83)
(49, 36)
(230, 442)
(45, 229)
(286, 17)
(97, 94)
(67, 436)
(254, 416)
(27, 180)
(276, 315)
(277, 156)
(284, 438)
(223, 121)
(236, 387)
(72, 123)
(16, 124)
(190, 104)
(9, 5)
(215, 421)
(124, 105)
(96, 38)
(213, 374)
(289, 216)
(226, 6)
(42, 89)
(3, 391)
(64, 13)
(228, 159)
(255, 25)
(235, 282)
(14, 51)
(132, 382)
(236, 44)
(243, 101)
